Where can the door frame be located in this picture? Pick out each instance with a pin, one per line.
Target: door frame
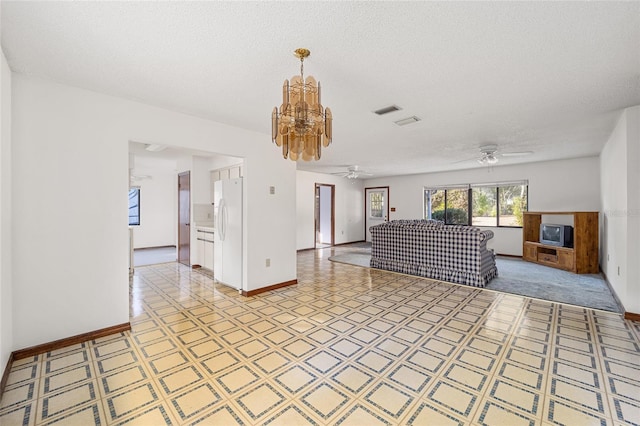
(188, 224)
(366, 205)
(316, 207)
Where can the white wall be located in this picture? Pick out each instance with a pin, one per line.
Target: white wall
(158, 210)
(620, 198)
(221, 162)
(200, 195)
(349, 208)
(70, 168)
(6, 304)
(201, 180)
(632, 302)
(563, 185)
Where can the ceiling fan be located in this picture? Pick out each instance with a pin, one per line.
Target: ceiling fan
(489, 155)
(353, 172)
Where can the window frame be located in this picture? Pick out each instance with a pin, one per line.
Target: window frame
(469, 188)
(137, 197)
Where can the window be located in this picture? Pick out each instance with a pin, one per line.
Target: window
(134, 206)
(512, 202)
(494, 204)
(450, 205)
(485, 208)
(376, 205)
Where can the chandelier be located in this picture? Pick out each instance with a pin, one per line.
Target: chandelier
(301, 126)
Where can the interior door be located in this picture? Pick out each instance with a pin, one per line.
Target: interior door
(324, 216)
(184, 215)
(376, 207)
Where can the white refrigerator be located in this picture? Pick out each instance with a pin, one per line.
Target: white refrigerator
(227, 249)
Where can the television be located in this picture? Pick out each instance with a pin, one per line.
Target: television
(556, 235)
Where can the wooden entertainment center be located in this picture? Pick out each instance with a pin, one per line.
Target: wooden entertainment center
(582, 258)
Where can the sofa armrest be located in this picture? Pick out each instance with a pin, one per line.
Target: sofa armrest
(486, 235)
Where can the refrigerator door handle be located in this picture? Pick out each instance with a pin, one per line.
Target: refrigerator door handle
(223, 219)
(219, 224)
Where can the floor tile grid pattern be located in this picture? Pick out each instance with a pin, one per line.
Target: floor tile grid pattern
(345, 346)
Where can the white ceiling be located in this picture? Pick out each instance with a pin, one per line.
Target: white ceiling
(547, 77)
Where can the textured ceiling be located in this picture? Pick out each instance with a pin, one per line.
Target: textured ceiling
(547, 77)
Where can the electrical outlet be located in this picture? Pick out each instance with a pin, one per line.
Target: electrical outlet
(272, 190)
(608, 257)
(267, 262)
(618, 270)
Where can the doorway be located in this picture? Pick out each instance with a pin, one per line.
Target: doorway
(376, 205)
(324, 235)
(184, 215)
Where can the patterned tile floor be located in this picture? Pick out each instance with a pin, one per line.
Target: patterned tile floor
(347, 345)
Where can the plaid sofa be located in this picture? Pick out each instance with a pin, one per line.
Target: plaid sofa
(428, 248)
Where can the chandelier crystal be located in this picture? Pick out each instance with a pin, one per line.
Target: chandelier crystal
(301, 126)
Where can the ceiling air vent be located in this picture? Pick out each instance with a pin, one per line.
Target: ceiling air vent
(407, 120)
(387, 110)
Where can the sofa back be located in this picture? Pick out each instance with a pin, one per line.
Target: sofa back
(431, 243)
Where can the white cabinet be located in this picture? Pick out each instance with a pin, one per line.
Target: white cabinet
(208, 254)
(232, 172)
(200, 248)
(204, 237)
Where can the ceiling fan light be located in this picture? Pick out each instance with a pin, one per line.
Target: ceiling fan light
(491, 159)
